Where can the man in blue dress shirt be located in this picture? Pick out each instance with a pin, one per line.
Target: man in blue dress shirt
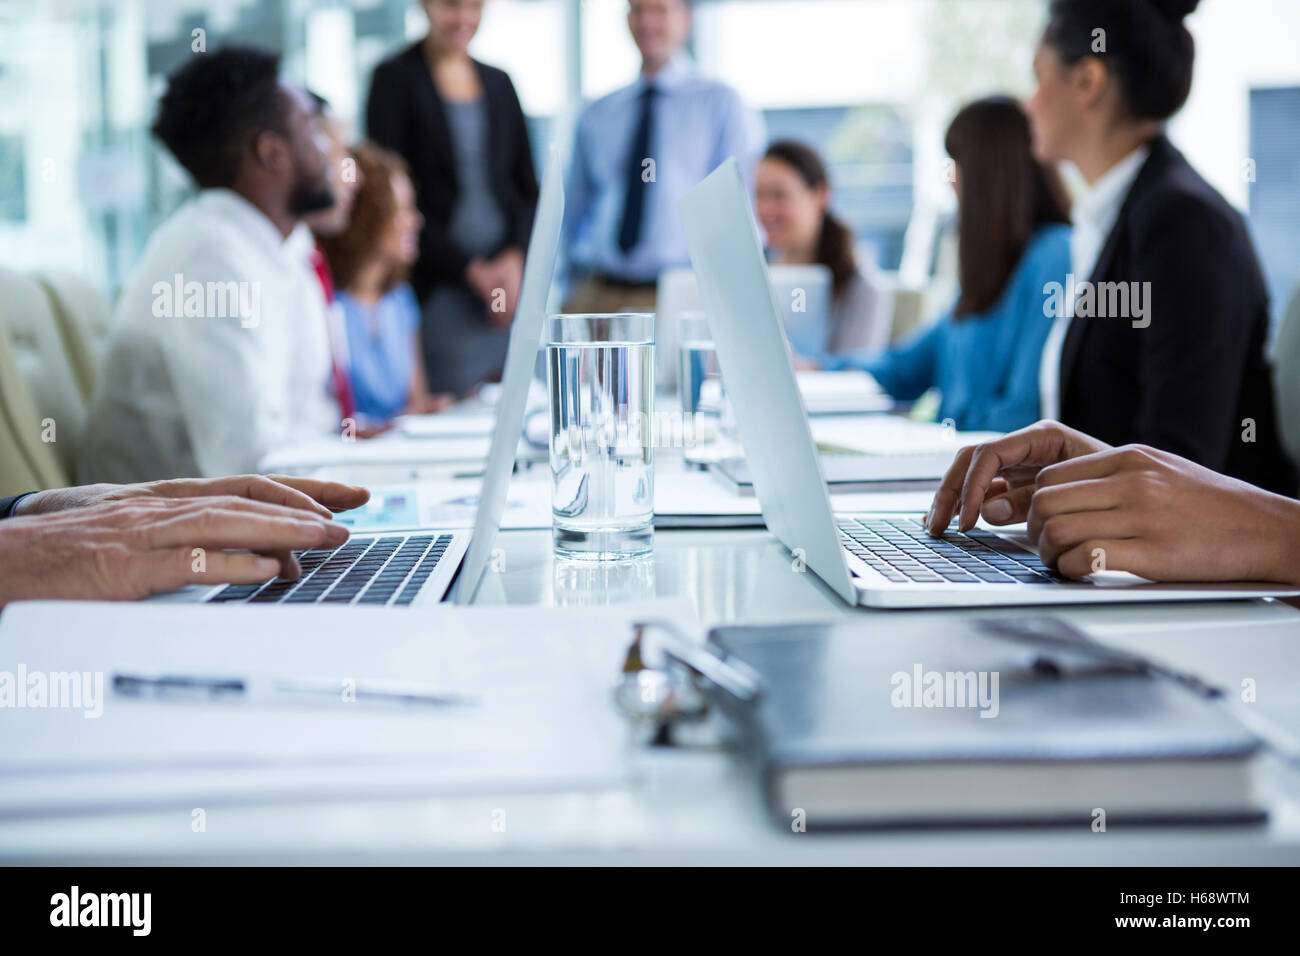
(637, 152)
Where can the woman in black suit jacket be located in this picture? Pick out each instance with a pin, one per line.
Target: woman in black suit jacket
(458, 124)
(1184, 368)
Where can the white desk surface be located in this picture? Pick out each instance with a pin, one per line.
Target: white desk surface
(703, 806)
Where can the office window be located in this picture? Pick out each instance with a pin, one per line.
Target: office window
(609, 57)
(871, 83)
(868, 153)
(13, 190)
(1275, 189)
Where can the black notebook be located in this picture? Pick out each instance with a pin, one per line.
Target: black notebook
(961, 725)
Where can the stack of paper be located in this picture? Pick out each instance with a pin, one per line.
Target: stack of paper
(387, 449)
(892, 435)
(824, 393)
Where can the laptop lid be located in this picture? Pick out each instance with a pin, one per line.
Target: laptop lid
(754, 357)
(803, 296)
(521, 359)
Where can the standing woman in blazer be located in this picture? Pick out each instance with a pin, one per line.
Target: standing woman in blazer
(458, 124)
(1184, 368)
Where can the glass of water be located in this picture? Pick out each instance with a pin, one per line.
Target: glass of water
(600, 371)
(699, 360)
(706, 413)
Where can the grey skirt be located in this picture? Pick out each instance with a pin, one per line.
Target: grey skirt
(461, 349)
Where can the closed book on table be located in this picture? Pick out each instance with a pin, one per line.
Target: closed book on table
(958, 725)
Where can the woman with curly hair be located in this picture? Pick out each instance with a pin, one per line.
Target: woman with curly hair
(370, 260)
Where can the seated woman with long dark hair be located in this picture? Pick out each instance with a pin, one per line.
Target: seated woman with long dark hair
(1013, 244)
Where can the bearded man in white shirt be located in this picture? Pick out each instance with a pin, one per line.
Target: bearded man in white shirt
(217, 355)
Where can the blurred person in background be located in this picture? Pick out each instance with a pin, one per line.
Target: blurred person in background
(218, 353)
(637, 151)
(459, 126)
(793, 197)
(1013, 242)
(370, 260)
(330, 222)
(344, 179)
(1186, 371)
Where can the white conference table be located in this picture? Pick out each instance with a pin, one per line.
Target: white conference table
(701, 805)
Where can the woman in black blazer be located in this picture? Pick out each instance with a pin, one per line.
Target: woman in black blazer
(1183, 367)
(459, 126)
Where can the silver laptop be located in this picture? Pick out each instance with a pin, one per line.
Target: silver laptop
(403, 568)
(802, 291)
(875, 559)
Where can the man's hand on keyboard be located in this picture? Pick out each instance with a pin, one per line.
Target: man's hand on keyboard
(997, 479)
(320, 497)
(129, 549)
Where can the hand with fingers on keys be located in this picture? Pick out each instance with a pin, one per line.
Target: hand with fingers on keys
(126, 542)
(1089, 506)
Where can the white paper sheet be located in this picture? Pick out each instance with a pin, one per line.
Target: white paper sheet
(387, 449)
(824, 393)
(451, 503)
(445, 425)
(540, 679)
(890, 434)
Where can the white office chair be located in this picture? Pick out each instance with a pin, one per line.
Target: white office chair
(26, 462)
(40, 355)
(85, 319)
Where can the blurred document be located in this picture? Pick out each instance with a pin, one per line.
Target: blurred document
(892, 435)
(824, 393)
(539, 716)
(445, 425)
(389, 449)
(451, 503)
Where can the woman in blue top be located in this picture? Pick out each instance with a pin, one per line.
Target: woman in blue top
(1013, 243)
(370, 260)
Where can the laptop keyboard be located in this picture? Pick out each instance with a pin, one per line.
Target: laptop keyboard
(388, 569)
(903, 552)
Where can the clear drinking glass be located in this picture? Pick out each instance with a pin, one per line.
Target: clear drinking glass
(600, 371)
(705, 410)
(699, 359)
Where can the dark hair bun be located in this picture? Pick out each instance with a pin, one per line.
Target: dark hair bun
(1175, 9)
(1149, 48)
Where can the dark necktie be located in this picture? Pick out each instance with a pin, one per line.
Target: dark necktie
(629, 233)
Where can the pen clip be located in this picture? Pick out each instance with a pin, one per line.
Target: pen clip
(1055, 634)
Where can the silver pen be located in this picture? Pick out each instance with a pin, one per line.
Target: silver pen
(322, 691)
